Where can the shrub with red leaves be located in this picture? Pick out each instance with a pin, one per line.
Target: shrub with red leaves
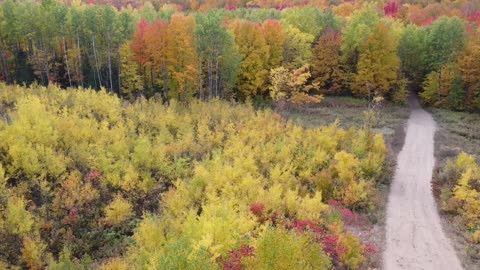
(348, 217)
(277, 218)
(301, 226)
(334, 203)
(72, 217)
(370, 249)
(340, 250)
(329, 242)
(234, 261)
(257, 209)
(329, 245)
(352, 219)
(93, 176)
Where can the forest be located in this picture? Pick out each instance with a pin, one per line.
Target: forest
(266, 52)
(152, 135)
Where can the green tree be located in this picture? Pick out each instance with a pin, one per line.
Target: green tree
(310, 20)
(358, 29)
(109, 29)
(92, 37)
(444, 40)
(297, 49)
(456, 97)
(214, 44)
(411, 50)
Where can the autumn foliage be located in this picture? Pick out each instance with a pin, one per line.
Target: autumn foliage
(460, 195)
(87, 180)
(155, 162)
(227, 49)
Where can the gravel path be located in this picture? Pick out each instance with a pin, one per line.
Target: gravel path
(415, 239)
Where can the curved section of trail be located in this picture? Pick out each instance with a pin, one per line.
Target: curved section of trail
(415, 239)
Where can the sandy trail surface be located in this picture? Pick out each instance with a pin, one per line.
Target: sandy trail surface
(415, 239)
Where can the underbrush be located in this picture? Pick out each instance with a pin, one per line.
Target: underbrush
(88, 180)
(389, 120)
(459, 196)
(457, 145)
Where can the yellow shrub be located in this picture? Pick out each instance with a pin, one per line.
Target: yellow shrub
(149, 235)
(356, 193)
(280, 249)
(17, 219)
(311, 208)
(345, 166)
(33, 253)
(220, 227)
(465, 193)
(352, 256)
(219, 174)
(115, 264)
(469, 196)
(118, 211)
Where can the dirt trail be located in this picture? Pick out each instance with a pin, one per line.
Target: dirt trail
(415, 239)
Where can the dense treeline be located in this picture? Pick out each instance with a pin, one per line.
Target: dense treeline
(293, 54)
(88, 180)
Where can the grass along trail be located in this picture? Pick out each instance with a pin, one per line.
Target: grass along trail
(414, 235)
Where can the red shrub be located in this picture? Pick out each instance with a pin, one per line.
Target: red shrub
(277, 218)
(334, 203)
(72, 217)
(234, 260)
(352, 219)
(93, 176)
(348, 217)
(301, 226)
(340, 250)
(257, 209)
(330, 246)
(370, 249)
